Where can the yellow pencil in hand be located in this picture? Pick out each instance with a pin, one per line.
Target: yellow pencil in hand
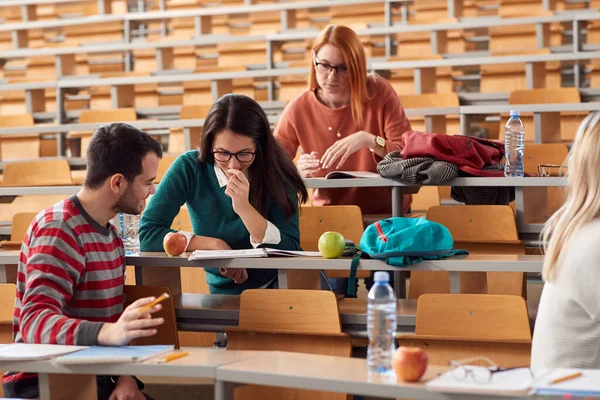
(162, 297)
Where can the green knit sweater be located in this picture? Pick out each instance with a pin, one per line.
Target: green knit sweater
(211, 213)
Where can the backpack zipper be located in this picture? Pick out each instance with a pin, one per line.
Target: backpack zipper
(380, 232)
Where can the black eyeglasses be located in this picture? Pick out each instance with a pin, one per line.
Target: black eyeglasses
(325, 68)
(243, 156)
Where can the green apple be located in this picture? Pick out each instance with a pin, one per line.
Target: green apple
(331, 244)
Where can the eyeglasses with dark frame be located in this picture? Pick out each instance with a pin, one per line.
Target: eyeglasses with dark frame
(243, 157)
(479, 374)
(325, 68)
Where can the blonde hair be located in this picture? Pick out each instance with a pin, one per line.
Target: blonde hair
(348, 43)
(583, 195)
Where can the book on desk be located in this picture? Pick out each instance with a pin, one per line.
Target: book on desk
(351, 174)
(249, 253)
(112, 354)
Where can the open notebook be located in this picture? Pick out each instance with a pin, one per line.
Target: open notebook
(249, 253)
(351, 174)
(518, 380)
(588, 384)
(26, 351)
(112, 354)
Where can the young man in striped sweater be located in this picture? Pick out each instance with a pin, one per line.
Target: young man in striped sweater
(71, 268)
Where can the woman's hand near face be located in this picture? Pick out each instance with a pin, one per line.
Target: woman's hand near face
(344, 148)
(308, 164)
(238, 188)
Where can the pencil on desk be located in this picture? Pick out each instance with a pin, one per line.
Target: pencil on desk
(162, 297)
(566, 378)
(172, 357)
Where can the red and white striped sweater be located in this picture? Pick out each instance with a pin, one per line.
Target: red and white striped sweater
(70, 280)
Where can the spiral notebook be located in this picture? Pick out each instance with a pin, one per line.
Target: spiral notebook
(112, 354)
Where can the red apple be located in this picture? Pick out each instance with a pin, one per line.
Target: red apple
(174, 243)
(409, 363)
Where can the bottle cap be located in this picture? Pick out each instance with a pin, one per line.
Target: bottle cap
(381, 276)
(515, 113)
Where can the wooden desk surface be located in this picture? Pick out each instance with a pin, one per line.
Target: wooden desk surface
(328, 373)
(201, 363)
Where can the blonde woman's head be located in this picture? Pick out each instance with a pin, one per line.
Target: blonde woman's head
(583, 195)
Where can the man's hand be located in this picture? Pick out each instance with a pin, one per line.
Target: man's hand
(131, 325)
(126, 389)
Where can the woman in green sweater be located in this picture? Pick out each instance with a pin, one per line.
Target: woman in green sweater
(241, 191)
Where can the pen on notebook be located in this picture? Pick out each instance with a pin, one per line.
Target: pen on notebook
(162, 297)
(172, 357)
(566, 378)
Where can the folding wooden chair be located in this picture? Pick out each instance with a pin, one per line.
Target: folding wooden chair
(302, 321)
(503, 77)
(541, 203)
(101, 116)
(176, 143)
(458, 326)
(56, 172)
(14, 147)
(480, 230)
(555, 126)
(314, 221)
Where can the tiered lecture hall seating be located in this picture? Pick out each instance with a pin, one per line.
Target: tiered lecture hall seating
(490, 317)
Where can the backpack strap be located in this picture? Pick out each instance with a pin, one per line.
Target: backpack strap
(352, 277)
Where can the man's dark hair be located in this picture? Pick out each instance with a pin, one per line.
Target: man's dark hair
(118, 148)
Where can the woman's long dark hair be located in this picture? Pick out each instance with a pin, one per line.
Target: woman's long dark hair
(272, 173)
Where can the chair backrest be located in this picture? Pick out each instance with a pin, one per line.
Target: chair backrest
(473, 316)
(430, 100)
(548, 96)
(7, 306)
(547, 153)
(167, 332)
(308, 311)
(119, 114)
(314, 221)
(8, 121)
(485, 224)
(194, 111)
(20, 224)
(38, 173)
(163, 165)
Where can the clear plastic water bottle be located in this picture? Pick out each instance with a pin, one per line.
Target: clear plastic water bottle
(514, 146)
(381, 325)
(129, 227)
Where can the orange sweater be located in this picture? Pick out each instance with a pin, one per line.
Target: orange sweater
(303, 124)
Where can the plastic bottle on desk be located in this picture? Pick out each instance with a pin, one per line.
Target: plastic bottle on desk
(514, 146)
(381, 327)
(129, 227)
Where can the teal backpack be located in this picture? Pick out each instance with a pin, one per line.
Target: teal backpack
(402, 242)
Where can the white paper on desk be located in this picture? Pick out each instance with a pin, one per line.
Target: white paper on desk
(513, 380)
(588, 383)
(248, 253)
(26, 351)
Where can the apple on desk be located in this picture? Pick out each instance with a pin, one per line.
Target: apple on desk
(174, 244)
(409, 363)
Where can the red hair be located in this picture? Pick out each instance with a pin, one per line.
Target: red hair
(348, 43)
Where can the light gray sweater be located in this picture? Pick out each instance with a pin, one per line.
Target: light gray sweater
(567, 328)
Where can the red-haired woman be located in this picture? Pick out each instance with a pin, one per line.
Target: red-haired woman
(345, 120)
